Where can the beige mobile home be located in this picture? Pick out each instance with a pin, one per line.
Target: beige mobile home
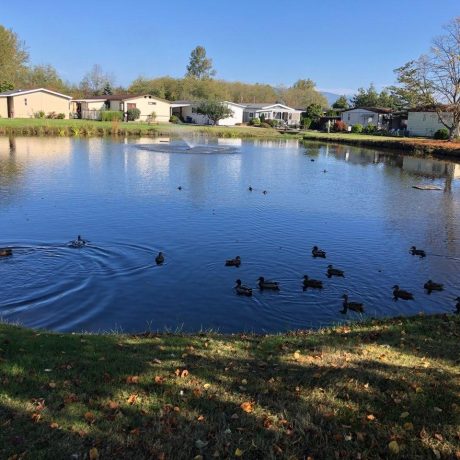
(366, 116)
(425, 121)
(25, 103)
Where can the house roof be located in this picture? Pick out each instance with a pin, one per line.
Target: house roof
(432, 108)
(17, 92)
(119, 97)
(267, 106)
(370, 109)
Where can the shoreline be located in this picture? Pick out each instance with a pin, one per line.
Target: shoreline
(374, 389)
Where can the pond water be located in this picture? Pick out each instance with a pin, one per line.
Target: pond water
(123, 197)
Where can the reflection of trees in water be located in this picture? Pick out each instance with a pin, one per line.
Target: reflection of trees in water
(313, 150)
(10, 170)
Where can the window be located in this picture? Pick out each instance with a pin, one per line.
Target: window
(25, 101)
(251, 115)
(348, 117)
(152, 103)
(131, 105)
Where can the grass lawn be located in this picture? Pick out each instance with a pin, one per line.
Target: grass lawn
(382, 389)
(409, 144)
(43, 127)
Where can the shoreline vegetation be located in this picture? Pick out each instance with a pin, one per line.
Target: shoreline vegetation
(378, 389)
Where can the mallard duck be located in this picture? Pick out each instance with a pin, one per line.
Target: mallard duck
(417, 252)
(355, 306)
(242, 290)
(250, 188)
(457, 306)
(317, 252)
(400, 294)
(273, 285)
(236, 262)
(309, 282)
(331, 271)
(78, 243)
(160, 258)
(431, 286)
(6, 252)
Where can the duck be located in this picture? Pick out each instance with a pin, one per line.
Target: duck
(417, 252)
(241, 289)
(312, 159)
(457, 306)
(236, 262)
(355, 306)
(264, 192)
(309, 282)
(180, 187)
(78, 243)
(317, 252)
(331, 271)
(400, 294)
(432, 286)
(6, 252)
(250, 188)
(271, 285)
(160, 258)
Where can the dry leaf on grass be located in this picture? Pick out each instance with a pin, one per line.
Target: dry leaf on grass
(247, 406)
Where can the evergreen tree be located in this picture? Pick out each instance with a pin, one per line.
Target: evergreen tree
(200, 66)
(341, 103)
(107, 91)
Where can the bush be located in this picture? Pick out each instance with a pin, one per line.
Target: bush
(174, 119)
(442, 134)
(358, 128)
(339, 126)
(370, 129)
(111, 115)
(39, 114)
(305, 122)
(51, 115)
(60, 116)
(255, 121)
(265, 125)
(133, 114)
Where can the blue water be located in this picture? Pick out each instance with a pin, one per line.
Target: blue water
(122, 196)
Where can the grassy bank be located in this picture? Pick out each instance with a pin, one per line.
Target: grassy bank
(407, 144)
(382, 389)
(44, 127)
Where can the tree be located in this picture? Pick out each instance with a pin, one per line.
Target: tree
(214, 110)
(199, 65)
(302, 94)
(341, 103)
(5, 86)
(13, 56)
(366, 97)
(44, 76)
(95, 80)
(314, 112)
(434, 78)
(107, 91)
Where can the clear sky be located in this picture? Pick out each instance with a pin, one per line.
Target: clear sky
(340, 44)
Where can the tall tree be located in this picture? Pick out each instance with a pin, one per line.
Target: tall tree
(13, 56)
(366, 97)
(95, 80)
(44, 76)
(199, 65)
(434, 78)
(214, 110)
(107, 91)
(341, 103)
(302, 94)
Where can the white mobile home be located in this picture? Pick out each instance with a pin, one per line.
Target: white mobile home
(425, 122)
(277, 111)
(366, 116)
(187, 111)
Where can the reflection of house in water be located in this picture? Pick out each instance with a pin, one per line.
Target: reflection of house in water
(365, 156)
(431, 167)
(231, 142)
(280, 144)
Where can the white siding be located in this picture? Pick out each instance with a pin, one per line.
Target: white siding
(424, 123)
(362, 117)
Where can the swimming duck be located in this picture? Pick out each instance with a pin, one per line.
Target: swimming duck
(180, 187)
(272, 285)
(400, 294)
(431, 286)
(236, 262)
(160, 258)
(250, 188)
(6, 252)
(78, 243)
(457, 307)
(355, 306)
(309, 282)
(417, 252)
(331, 271)
(242, 290)
(312, 159)
(316, 252)
(264, 192)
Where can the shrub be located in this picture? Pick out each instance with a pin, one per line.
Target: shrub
(39, 114)
(51, 115)
(339, 126)
(265, 125)
(111, 115)
(370, 129)
(60, 116)
(174, 119)
(358, 128)
(442, 134)
(305, 122)
(255, 121)
(133, 114)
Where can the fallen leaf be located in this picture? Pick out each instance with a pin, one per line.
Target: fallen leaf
(436, 453)
(184, 373)
(135, 431)
(206, 386)
(437, 409)
(132, 399)
(297, 354)
(370, 417)
(159, 379)
(52, 385)
(200, 444)
(157, 361)
(393, 447)
(247, 406)
(54, 426)
(113, 405)
(404, 415)
(238, 452)
(408, 426)
(93, 453)
(35, 417)
(439, 437)
(89, 417)
(132, 379)
(200, 418)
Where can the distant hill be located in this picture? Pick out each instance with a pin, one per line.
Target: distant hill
(331, 97)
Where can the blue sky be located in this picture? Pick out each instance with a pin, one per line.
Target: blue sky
(341, 45)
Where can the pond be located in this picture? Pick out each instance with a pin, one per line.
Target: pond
(123, 196)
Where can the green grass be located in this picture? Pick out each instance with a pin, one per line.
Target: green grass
(45, 127)
(344, 392)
